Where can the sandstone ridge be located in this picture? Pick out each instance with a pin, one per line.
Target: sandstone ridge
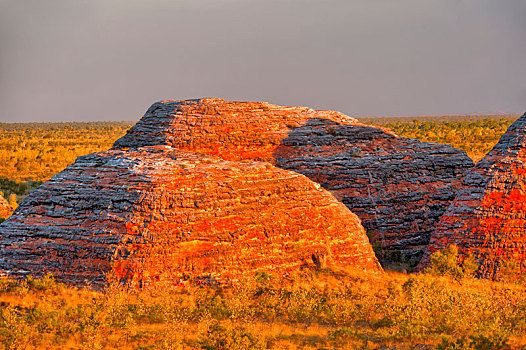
(398, 187)
(158, 214)
(488, 216)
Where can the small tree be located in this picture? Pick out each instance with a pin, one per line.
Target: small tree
(446, 263)
(470, 266)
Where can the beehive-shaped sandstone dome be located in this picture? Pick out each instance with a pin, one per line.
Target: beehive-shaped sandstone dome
(488, 216)
(159, 214)
(398, 187)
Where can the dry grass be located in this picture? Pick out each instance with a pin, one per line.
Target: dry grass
(310, 309)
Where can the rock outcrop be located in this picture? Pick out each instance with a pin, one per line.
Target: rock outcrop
(398, 187)
(488, 216)
(5, 208)
(159, 214)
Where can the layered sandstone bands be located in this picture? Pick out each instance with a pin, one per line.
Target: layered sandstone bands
(231, 130)
(488, 216)
(398, 187)
(159, 214)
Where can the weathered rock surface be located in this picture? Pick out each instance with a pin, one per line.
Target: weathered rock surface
(5, 208)
(399, 187)
(158, 213)
(488, 216)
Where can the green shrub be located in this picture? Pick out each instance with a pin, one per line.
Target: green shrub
(228, 337)
(470, 266)
(7, 285)
(13, 330)
(47, 282)
(460, 344)
(446, 263)
(343, 335)
(480, 342)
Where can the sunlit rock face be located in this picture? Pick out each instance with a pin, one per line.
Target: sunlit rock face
(488, 216)
(5, 208)
(157, 214)
(398, 187)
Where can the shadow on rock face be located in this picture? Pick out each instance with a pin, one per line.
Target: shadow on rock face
(398, 187)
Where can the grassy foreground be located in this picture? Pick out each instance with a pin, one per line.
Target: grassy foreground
(310, 309)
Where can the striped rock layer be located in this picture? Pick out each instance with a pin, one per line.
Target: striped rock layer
(398, 187)
(159, 214)
(488, 216)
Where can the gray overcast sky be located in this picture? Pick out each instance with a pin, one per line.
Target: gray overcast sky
(72, 60)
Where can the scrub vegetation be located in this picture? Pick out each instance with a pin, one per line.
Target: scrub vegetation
(476, 135)
(37, 151)
(329, 308)
(31, 153)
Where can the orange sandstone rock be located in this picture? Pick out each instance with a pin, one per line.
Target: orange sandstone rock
(488, 216)
(5, 208)
(159, 214)
(398, 187)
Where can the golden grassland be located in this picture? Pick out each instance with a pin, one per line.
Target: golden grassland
(333, 308)
(37, 151)
(31, 153)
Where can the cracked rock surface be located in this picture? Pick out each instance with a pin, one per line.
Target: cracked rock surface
(159, 214)
(488, 216)
(398, 187)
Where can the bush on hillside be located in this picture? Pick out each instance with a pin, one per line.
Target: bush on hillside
(446, 262)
